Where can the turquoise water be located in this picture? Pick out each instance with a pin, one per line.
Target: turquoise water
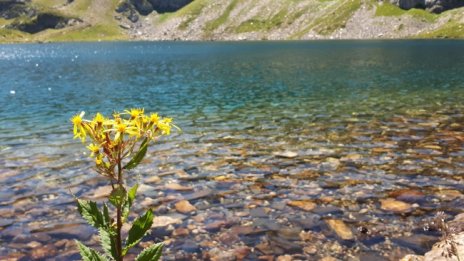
(364, 119)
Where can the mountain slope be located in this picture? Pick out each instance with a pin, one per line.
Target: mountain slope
(83, 20)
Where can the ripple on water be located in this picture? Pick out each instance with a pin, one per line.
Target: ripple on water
(275, 158)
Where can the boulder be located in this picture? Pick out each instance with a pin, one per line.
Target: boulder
(408, 4)
(10, 9)
(433, 6)
(163, 6)
(438, 6)
(142, 6)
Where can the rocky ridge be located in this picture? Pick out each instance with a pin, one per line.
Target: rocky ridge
(64, 20)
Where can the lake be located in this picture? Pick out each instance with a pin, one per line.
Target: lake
(327, 148)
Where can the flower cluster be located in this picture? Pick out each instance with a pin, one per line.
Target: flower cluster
(113, 140)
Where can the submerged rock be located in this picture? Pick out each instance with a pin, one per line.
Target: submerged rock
(419, 243)
(185, 207)
(163, 221)
(286, 154)
(340, 228)
(396, 206)
(306, 205)
(177, 187)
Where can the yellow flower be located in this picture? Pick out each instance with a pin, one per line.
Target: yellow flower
(95, 149)
(154, 118)
(98, 119)
(99, 159)
(165, 126)
(79, 130)
(122, 128)
(135, 112)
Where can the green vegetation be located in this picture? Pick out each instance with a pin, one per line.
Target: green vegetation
(214, 24)
(191, 12)
(449, 30)
(88, 33)
(255, 24)
(330, 22)
(387, 9)
(338, 18)
(9, 35)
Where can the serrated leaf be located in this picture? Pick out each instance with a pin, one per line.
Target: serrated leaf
(89, 254)
(152, 253)
(118, 196)
(138, 157)
(139, 228)
(108, 242)
(129, 201)
(89, 211)
(106, 216)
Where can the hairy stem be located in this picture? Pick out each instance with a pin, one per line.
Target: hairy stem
(119, 214)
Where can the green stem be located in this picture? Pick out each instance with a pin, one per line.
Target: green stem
(119, 215)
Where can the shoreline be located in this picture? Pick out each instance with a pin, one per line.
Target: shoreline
(236, 41)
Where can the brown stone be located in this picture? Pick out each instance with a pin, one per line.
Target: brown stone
(215, 226)
(394, 205)
(448, 194)
(311, 249)
(306, 236)
(177, 187)
(153, 179)
(328, 258)
(305, 205)
(42, 252)
(407, 194)
(340, 228)
(180, 232)
(242, 252)
(185, 207)
(284, 258)
(102, 192)
(162, 221)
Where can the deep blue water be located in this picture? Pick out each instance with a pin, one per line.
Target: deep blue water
(239, 104)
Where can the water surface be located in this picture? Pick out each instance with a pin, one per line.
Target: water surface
(342, 124)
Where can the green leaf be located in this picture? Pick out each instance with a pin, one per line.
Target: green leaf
(89, 211)
(129, 201)
(108, 242)
(139, 228)
(89, 254)
(118, 196)
(138, 157)
(152, 253)
(106, 216)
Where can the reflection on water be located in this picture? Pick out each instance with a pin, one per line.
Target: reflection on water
(278, 140)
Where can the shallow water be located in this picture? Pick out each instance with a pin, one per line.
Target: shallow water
(341, 124)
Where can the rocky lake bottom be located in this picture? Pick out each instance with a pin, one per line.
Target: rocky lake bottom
(284, 154)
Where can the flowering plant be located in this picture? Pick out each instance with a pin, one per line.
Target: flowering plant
(119, 144)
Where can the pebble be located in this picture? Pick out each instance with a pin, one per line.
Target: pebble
(340, 228)
(42, 252)
(163, 221)
(396, 206)
(153, 179)
(448, 194)
(285, 258)
(101, 192)
(177, 187)
(305, 205)
(185, 207)
(286, 154)
(180, 232)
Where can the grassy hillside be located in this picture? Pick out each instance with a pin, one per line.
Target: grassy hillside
(239, 20)
(96, 22)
